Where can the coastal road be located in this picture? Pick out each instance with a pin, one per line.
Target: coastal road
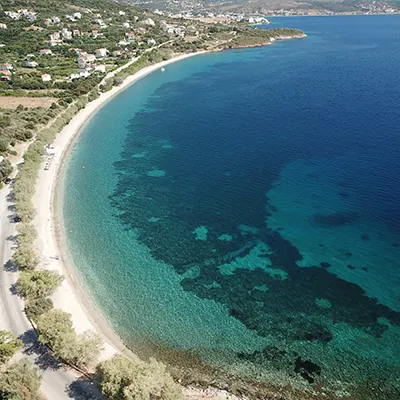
(58, 382)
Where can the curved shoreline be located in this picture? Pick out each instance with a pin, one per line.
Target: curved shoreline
(71, 296)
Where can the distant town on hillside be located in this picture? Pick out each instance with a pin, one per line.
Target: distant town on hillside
(238, 8)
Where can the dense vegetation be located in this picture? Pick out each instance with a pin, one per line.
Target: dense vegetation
(20, 381)
(129, 379)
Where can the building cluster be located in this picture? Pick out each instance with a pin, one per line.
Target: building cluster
(87, 63)
(205, 16)
(16, 15)
(377, 7)
(172, 30)
(6, 72)
(64, 29)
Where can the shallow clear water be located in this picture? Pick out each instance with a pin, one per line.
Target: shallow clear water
(242, 209)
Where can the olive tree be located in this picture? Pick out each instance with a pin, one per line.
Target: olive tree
(134, 379)
(42, 283)
(25, 257)
(56, 330)
(20, 381)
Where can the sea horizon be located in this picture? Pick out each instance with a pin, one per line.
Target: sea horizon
(131, 219)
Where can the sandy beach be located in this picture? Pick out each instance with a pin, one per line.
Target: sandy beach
(71, 296)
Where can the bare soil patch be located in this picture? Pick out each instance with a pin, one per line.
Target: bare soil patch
(11, 103)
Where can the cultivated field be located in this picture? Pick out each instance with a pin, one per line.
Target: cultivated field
(12, 103)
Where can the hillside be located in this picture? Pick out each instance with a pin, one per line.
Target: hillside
(274, 7)
(55, 55)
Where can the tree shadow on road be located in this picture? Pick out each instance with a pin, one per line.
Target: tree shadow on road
(15, 291)
(84, 389)
(44, 359)
(9, 266)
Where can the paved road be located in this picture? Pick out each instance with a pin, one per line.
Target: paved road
(58, 383)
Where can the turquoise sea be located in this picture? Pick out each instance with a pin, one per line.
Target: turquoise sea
(238, 215)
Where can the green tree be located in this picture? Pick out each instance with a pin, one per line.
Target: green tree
(20, 381)
(25, 257)
(26, 234)
(9, 345)
(34, 284)
(36, 307)
(133, 379)
(56, 330)
(88, 348)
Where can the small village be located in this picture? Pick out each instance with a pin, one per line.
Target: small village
(235, 11)
(70, 49)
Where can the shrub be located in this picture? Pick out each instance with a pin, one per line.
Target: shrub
(3, 145)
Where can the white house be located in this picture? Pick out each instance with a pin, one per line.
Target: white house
(7, 67)
(3, 26)
(12, 14)
(149, 22)
(151, 42)
(45, 52)
(31, 64)
(66, 34)
(126, 24)
(130, 35)
(101, 53)
(84, 74)
(121, 12)
(123, 43)
(46, 78)
(55, 20)
(74, 75)
(55, 36)
(100, 68)
(90, 58)
(77, 15)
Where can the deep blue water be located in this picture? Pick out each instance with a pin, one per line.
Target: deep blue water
(242, 209)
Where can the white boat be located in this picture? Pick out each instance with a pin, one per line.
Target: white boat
(162, 69)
